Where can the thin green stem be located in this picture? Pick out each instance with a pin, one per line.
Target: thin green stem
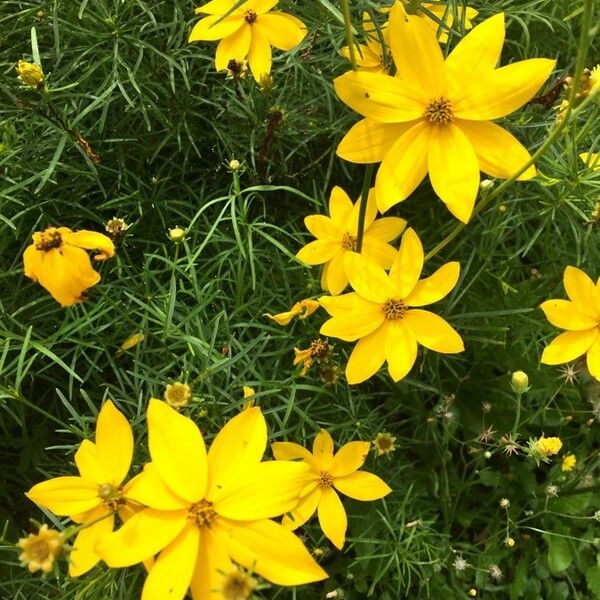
(517, 413)
(362, 211)
(349, 34)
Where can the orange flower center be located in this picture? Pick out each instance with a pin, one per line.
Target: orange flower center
(47, 240)
(202, 512)
(394, 309)
(348, 242)
(250, 17)
(439, 111)
(326, 480)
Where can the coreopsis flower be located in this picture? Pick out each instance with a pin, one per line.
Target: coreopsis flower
(580, 316)
(543, 447)
(177, 394)
(206, 510)
(98, 491)
(41, 549)
(116, 227)
(336, 236)
(30, 74)
(436, 116)
(370, 57)
(591, 160)
(318, 351)
(247, 31)
(302, 310)
(568, 463)
(58, 262)
(383, 312)
(384, 443)
(330, 474)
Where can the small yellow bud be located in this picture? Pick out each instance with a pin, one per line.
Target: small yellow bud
(248, 397)
(266, 82)
(568, 463)
(177, 234)
(473, 592)
(235, 165)
(486, 185)
(41, 549)
(178, 394)
(510, 542)
(504, 503)
(519, 382)
(30, 74)
(487, 454)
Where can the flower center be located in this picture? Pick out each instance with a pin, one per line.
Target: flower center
(326, 480)
(250, 17)
(319, 348)
(111, 496)
(47, 240)
(202, 512)
(394, 309)
(348, 242)
(439, 111)
(39, 551)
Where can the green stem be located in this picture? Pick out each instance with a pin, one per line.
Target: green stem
(517, 413)
(362, 212)
(581, 55)
(349, 35)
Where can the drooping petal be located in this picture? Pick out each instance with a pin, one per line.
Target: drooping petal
(141, 537)
(332, 517)
(362, 486)
(318, 252)
(403, 167)
(212, 565)
(149, 489)
(172, 572)
(381, 98)
(65, 496)
(233, 47)
(304, 511)
(88, 465)
(322, 449)
(368, 356)
(433, 332)
(91, 240)
(407, 266)
(82, 556)
(581, 290)
(282, 30)
(369, 141)
(454, 170)
(336, 279)
(564, 314)
(568, 346)
(417, 54)
(499, 152)
(502, 91)
(435, 287)
(368, 279)
(291, 451)
(114, 442)
(207, 29)
(593, 360)
(177, 450)
(259, 54)
(270, 550)
(400, 349)
(236, 450)
(349, 458)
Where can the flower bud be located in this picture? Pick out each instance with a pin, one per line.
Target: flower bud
(235, 165)
(30, 74)
(519, 382)
(177, 234)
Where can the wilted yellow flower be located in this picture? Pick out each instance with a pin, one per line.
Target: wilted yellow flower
(328, 473)
(445, 14)
(238, 585)
(131, 342)
(237, 69)
(178, 394)
(301, 309)
(41, 549)
(249, 397)
(30, 74)
(568, 463)
(370, 57)
(318, 350)
(57, 261)
(384, 443)
(116, 227)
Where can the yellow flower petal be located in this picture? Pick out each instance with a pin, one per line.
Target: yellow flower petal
(369, 141)
(149, 489)
(593, 360)
(340, 206)
(65, 496)
(433, 332)
(211, 567)
(581, 290)
(407, 267)
(282, 30)
(270, 550)
(404, 166)
(382, 98)
(351, 325)
(564, 314)
(91, 240)
(260, 6)
(454, 170)
(591, 160)
(417, 54)
(172, 572)
(379, 252)
(368, 356)
(141, 537)
(502, 91)
(88, 465)
(435, 287)
(400, 349)
(349, 458)
(368, 279)
(304, 511)
(177, 450)
(259, 54)
(332, 517)
(318, 252)
(234, 46)
(82, 556)
(568, 346)
(362, 486)
(32, 260)
(323, 227)
(291, 451)
(386, 229)
(499, 153)
(207, 29)
(216, 7)
(322, 449)
(336, 279)
(236, 450)
(114, 443)
(351, 224)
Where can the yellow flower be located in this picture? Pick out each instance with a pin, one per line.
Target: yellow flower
(336, 236)
(328, 474)
(178, 394)
(301, 309)
(591, 160)
(131, 342)
(370, 57)
(383, 312)
(248, 396)
(437, 115)
(544, 447)
(206, 510)
(116, 227)
(319, 350)
(40, 550)
(568, 463)
(384, 443)
(97, 492)
(30, 74)
(247, 31)
(519, 382)
(580, 316)
(177, 234)
(57, 261)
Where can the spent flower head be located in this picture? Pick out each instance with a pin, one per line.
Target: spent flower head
(178, 394)
(41, 549)
(384, 443)
(30, 74)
